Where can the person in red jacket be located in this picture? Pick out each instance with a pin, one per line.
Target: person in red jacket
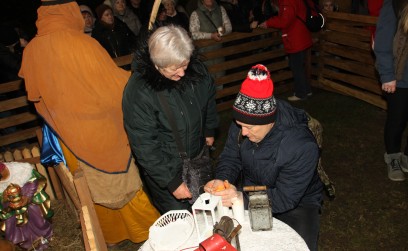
(374, 7)
(297, 40)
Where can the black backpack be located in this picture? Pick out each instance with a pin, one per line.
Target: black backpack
(314, 18)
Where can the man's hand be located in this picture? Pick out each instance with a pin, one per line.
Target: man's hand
(217, 187)
(182, 192)
(212, 185)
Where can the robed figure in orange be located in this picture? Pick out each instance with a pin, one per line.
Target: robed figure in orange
(77, 88)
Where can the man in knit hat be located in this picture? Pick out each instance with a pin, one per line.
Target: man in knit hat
(271, 144)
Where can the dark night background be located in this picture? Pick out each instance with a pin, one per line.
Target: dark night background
(23, 13)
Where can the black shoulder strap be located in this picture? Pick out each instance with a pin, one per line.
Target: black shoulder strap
(209, 19)
(172, 121)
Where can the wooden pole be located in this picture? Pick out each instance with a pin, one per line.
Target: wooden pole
(153, 15)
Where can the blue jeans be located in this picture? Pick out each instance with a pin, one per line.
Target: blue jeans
(305, 221)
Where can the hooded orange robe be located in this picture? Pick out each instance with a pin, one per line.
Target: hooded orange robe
(77, 88)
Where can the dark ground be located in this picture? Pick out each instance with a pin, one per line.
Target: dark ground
(370, 212)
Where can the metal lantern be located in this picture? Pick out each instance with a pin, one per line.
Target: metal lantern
(259, 209)
(207, 210)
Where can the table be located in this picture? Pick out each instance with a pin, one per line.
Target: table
(281, 238)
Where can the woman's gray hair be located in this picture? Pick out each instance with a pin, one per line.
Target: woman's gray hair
(170, 45)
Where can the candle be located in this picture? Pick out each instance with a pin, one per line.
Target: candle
(238, 208)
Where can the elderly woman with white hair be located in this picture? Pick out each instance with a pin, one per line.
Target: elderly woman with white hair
(166, 65)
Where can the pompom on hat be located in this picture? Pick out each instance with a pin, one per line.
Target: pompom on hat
(255, 104)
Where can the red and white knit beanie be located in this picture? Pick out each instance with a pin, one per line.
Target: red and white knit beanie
(255, 104)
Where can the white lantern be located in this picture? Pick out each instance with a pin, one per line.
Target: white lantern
(207, 210)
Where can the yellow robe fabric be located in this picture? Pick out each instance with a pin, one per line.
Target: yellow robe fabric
(131, 222)
(77, 88)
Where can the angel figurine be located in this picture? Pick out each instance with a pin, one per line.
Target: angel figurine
(24, 206)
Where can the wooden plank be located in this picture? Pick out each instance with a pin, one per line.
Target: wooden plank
(358, 32)
(241, 75)
(225, 106)
(364, 19)
(17, 119)
(39, 134)
(362, 95)
(53, 181)
(18, 136)
(246, 61)
(354, 80)
(56, 184)
(35, 151)
(28, 157)
(228, 91)
(84, 194)
(17, 155)
(67, 182)
(123, 60)
(11, 86)
(10, 104)
(343, 39)
(86, 225)
(241, 48)
(345, 52)
(234, 36)
(8, 156)
(352, 67)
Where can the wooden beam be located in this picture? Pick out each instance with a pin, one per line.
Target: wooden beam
(68, 183)
(10, 104)
(84, 194)
(11, 86)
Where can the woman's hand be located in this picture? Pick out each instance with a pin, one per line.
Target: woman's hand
(215, 36)
(182, 192)
(263, 25)
(390, 87)
(254, 24)
(209, 141)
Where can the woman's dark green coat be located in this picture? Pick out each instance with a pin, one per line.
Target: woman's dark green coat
(192, 100)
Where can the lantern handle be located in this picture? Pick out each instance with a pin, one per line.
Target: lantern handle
(254, 188)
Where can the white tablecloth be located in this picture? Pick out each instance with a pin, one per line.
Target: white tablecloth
(282, 237)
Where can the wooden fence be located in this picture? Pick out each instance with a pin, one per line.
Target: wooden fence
(342, 62)
(344, 58)
(19, 122)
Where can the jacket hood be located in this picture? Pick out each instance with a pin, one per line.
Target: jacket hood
(59, 17)
(143, 65)
(289, 116)
(85, 8)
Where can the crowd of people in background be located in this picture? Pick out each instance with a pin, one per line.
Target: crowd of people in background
(166, 62)
(115, 24)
